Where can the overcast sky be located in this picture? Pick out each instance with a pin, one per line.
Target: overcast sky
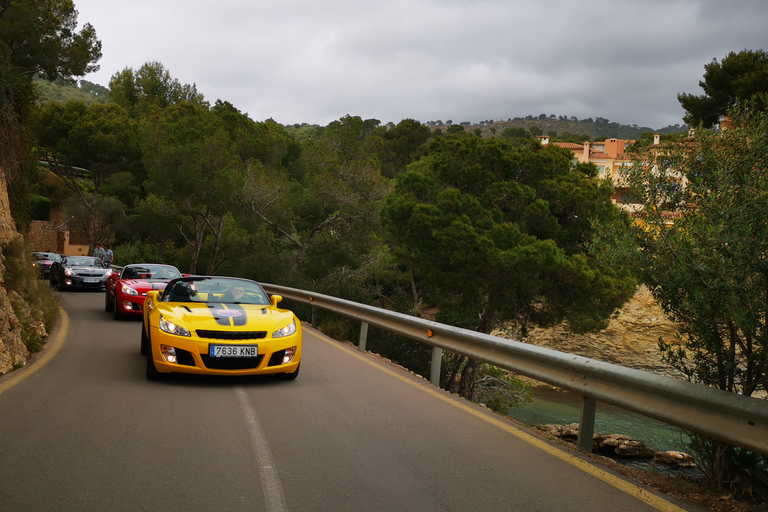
(305, 61)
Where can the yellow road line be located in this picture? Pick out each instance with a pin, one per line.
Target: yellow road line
(621, 484)
(57, 342)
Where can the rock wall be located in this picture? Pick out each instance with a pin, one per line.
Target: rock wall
(13, 350)
(631, 339)
(7, 226)
(41, 236)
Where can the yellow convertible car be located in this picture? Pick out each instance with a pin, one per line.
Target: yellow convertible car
(219, 326)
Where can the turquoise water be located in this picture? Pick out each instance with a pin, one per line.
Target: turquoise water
(564, 408)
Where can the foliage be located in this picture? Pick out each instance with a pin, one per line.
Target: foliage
(96, 141)
(496, 232)
(40, 207)
(41, 37)
(500, 391)
(64, 90)
(741, 471)
(37, 37)
(707, 269)
(151, 85)
(737, 78)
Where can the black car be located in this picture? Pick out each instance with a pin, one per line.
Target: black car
(43, 261)
(80, 272)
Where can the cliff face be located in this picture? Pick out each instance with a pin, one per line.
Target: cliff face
(13, 350)
(631, 339)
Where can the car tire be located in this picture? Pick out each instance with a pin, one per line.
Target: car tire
(290, 376)
(144, 341)
(152, 373)
(108, 304)
(116, 311)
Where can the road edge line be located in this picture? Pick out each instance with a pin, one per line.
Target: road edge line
(621, 484)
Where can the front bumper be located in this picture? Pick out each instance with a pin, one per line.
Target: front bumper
(192, 355)
(130, 304)
(85, 282)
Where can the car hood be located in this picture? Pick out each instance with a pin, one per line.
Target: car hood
(85, 268)
(218, 316)
(143, 285)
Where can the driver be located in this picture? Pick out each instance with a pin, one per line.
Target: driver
(235, 294)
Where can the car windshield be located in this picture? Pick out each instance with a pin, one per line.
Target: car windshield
(150, 272)
(83, 261)
(52, 256)
(215, 290)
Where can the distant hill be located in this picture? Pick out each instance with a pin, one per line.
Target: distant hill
(563, 128)
(557, 127)
(66, 90)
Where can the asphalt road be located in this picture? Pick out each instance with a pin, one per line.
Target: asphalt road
(82, 429)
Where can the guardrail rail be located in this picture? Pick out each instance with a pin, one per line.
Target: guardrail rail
(735, 419)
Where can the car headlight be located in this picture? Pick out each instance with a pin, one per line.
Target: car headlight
(69, 272)
(128, 290)
(172, 328)
(285, 331)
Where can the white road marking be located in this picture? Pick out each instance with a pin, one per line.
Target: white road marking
(270, 482)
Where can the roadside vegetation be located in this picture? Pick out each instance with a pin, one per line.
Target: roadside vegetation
(469, 225)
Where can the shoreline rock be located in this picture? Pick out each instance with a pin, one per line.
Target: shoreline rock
(620, 445)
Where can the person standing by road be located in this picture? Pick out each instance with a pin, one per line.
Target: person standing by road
(108, 256)
(98, 252)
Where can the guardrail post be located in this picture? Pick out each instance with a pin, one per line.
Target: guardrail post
(437, 361)
(314, 318)
(363, 337)
(586, 424)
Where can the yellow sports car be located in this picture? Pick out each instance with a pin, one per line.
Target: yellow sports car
(219, 326)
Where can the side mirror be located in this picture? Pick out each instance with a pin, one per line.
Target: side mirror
(275, 299)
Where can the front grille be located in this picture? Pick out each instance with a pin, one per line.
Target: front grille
(231, 363)
(231, 335)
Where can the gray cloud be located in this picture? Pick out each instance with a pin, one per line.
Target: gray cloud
(307, 61)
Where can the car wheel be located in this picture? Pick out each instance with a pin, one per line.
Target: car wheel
(290, 376)
(144, 341)
(59, 285)
(116, 311)
(108, 304)
(152, 373)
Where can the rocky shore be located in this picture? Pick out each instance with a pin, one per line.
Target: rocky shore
(618, 445)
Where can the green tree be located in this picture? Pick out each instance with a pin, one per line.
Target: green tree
(707, 269)
(738, 77)
(41, 37)
(495, 232)
(193, 167)
(399, 145)
(36, 37)
(328, 212)
(86, 145)
(703, 241)
(151, 84)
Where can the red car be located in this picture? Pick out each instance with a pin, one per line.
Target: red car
(127, 288)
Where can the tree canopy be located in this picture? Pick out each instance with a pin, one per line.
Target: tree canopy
(496, 232)
(738, 77)
(708, 269)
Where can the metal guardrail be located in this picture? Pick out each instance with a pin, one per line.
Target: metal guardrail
(735, 419)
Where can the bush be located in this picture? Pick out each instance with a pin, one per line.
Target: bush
(40, 207)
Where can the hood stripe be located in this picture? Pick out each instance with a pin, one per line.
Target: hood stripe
(228, 321)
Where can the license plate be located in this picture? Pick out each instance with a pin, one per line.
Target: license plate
(233, 350)
(90, 280)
